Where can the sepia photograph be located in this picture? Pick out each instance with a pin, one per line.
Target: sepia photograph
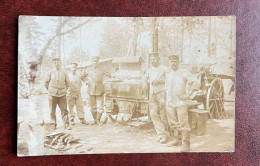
(98, 85)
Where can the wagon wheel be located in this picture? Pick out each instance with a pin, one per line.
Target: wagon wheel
(215, 100)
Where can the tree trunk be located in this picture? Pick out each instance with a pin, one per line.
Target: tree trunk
(135, 40)
(182, 41)
(216, 37)
(59, 39)
(209, 38)
(231, 36)
(155, 35)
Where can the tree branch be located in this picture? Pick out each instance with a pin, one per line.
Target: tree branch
(76, 27)
(62, 25)
(42, 52)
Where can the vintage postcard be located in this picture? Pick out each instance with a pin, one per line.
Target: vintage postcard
(94, 85)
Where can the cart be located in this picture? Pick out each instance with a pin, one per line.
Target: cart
(211, 93)
(126, 100)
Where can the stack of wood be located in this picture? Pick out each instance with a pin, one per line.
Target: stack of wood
(62, 141)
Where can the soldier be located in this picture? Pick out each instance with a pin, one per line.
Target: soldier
(57, 83)
(95, 84)
(155, 76)
(74, 95)
(177, 94)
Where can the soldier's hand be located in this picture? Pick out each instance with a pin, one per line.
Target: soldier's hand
(156, 82)
(87, 82)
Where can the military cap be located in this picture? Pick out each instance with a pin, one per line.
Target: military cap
(74, 63)
(173, 57)
(56, 59)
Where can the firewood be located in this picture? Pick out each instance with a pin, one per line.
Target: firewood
(67, 148)
(75, 140)
(54, 140)
(64, 137)
(52, 147)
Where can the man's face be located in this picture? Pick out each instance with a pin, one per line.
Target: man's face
(154, 61)
(73, 68)
(95, 62)
(57, 64)
(174, 64)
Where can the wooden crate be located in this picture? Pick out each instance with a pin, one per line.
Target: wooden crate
(198, 121)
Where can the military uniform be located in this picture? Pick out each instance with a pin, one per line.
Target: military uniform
(74, 97)
(95, 78)
(177, 94)
(57, 82)
(177, 110)
(155, 76)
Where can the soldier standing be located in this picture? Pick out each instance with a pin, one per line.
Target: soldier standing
(74, 95)
(95, 78)
(177, 94)
(57, 82)
(155, 76)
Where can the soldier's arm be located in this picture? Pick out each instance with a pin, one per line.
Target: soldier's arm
(165, 71)
(84, 77)
(67, 80)
(47, 80)
(161, 80)
(168, 91)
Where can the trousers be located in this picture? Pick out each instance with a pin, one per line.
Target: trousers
(72, 101)
(96, 103)
(61, 101)
(178, 117)
(158, 113)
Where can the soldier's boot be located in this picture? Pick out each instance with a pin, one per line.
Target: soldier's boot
(111, 118)
(55, 125)
(82, 121)
(158, 139)
(99, 115)
(94, 114)
(72, 120)
(185, 147)
(163, 139)
(176, 141)
(104, 121)
(67, 126)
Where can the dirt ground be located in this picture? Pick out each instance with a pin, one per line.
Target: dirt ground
(116, 138)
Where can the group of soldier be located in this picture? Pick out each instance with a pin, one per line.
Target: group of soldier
(170, 91)
(65, 88)
(168, 95)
